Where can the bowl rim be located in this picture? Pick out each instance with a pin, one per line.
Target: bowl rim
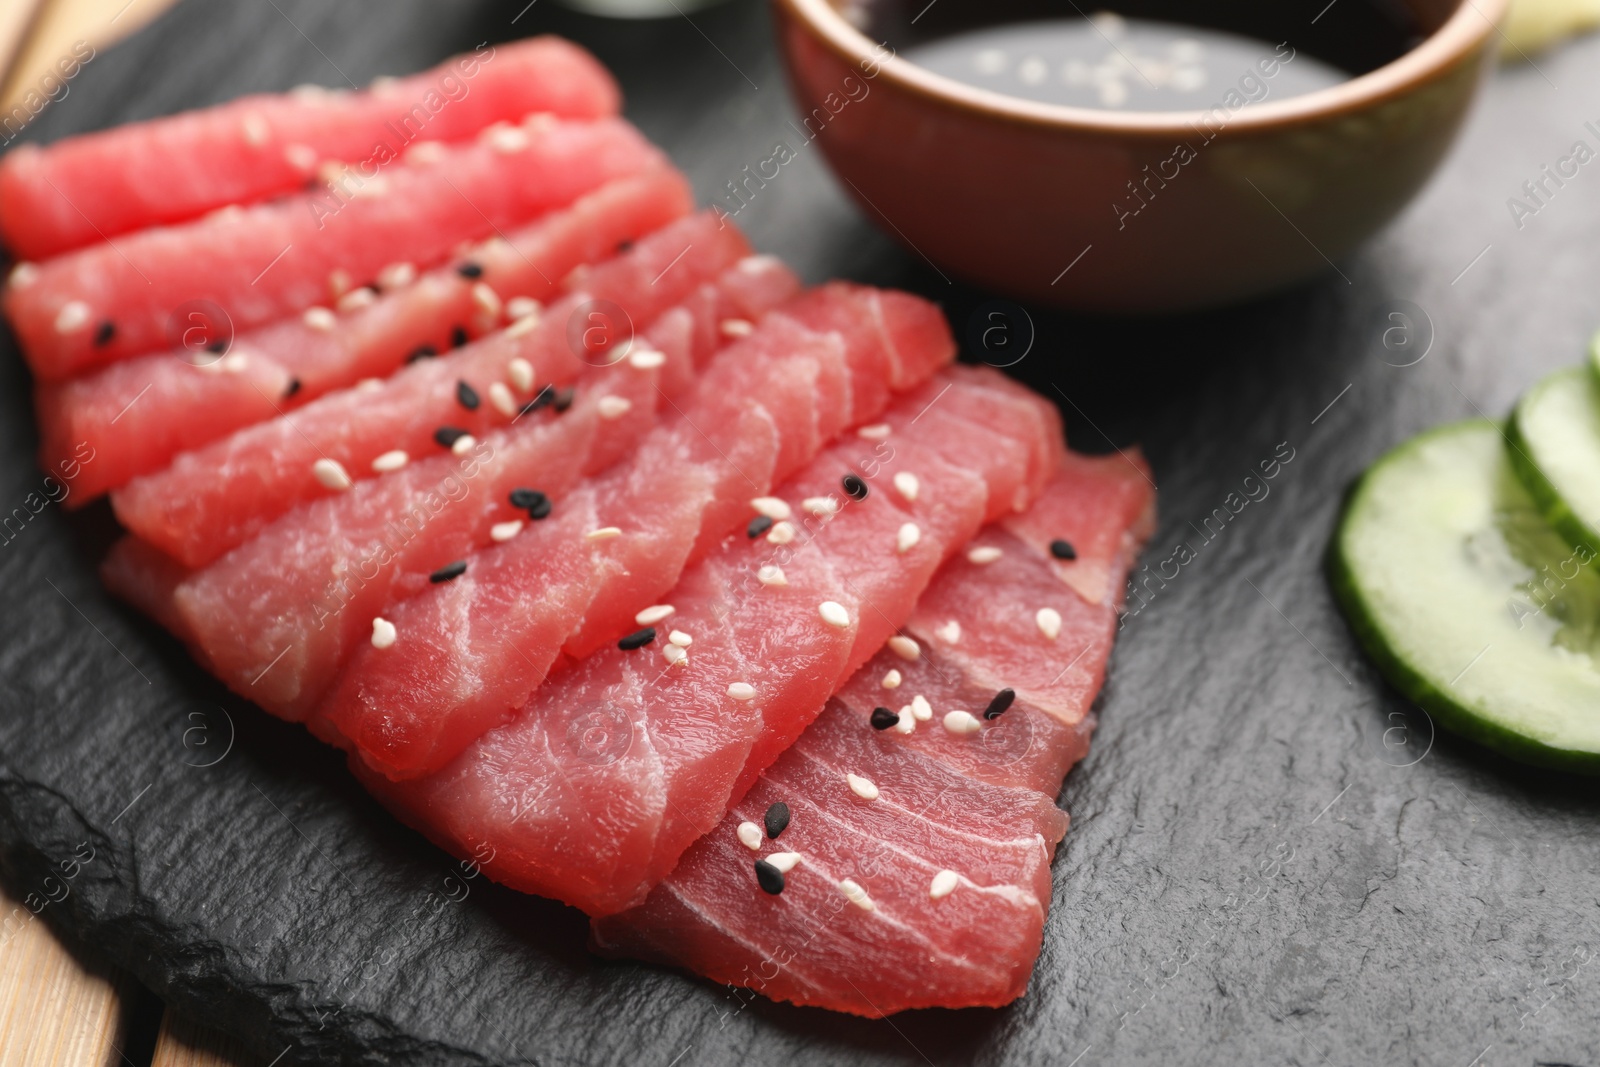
(1463, 33)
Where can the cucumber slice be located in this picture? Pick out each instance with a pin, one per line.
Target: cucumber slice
(1471, 605)
(1553, 440)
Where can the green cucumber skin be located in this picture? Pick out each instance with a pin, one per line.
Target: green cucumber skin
(1552, 508)
(1444, 710)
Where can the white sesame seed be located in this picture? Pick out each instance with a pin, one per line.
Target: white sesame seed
(646, 358)
(234, 362)
(819, 505)
(784, 861)
(505, 531)
(255, 130)
(862, 787)
(834, 614)
(390, 461)
(486, 300)
(781, 533)
(310, 94)
(521, 327)
(749, 835)
(500, 396)
(759, 263)
(383, 634)
(331, 474)
(772, 575)
(319, 318)
(921, 710)
(905, 647)
(907, 723)
(772, 507)
(906, 484)
(892, 679)
(856, 895)
(370, 385)
(876, 432)
(339, 283)
(613, 407)
(907, 538)
(23, 275)
(949, 633)
(330, 171)
(944, 883)
(736, 327)
(654, 614)
(356, 299)
(463, 444)
(397, 276)
(425, 152)
(681, 639)
(1049, 620)
(301, 157)
(522, 307)
(984, 554)
(604, 533)
(742, 691)
(674, 654)
(520, 372)
(962, 722)
(372, 188)
(74, 315)
(507, 139)
(384, 85)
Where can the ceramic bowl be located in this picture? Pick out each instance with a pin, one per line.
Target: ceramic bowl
(1125, 211)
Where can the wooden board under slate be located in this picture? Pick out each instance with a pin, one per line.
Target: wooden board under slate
(1271, 860)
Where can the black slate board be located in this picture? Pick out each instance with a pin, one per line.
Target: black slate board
(1271, 860)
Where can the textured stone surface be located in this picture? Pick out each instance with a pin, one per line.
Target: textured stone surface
(1253, 876)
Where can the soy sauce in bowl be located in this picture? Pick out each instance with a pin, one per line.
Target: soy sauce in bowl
(1145, 56)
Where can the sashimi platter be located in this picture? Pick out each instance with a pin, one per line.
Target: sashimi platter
(719, 622)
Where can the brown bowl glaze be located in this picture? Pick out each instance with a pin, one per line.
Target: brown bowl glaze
(1037, 201)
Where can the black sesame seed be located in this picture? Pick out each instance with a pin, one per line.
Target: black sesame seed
(458, 336)
(448, 571)
(883, 718)
(1063, 549)
(292, 388)
(564, 398)
(854, 487)
(777, 819)
(543, 398)
(539, 509)
(104, 333)
(1002, 700)
(218, 347)
(447, 436)
(525, 498)
(637, 639)
(467, 396)
(470, 270)
(758, 526)
(422, 352)
(768, 877)
(624, 246)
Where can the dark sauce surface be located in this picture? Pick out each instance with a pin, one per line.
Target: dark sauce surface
(1145, 55)
(1108, 61)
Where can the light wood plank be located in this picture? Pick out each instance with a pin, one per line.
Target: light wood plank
(61, 24)
(53, 1011)
(186, 1044)
(16, 18)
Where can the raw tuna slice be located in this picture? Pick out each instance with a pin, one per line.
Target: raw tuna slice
(468, 655)
(597, 786)
(142, 412)
(289, 589)
(273, 617)
(123, 297)
(925, 883)
(86, 189)
(217, 497)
